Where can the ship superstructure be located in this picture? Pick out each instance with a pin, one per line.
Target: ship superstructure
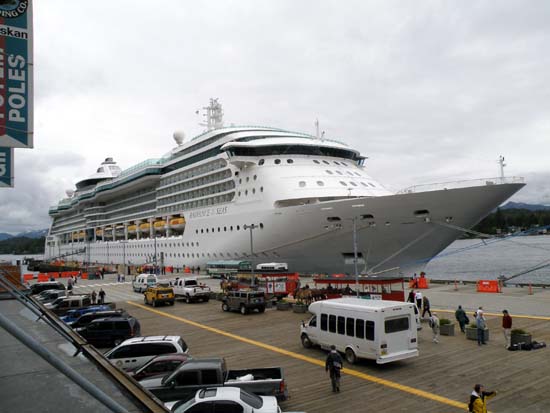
(303, 195)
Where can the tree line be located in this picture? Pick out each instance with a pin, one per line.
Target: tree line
(22, 245)
(512, 220)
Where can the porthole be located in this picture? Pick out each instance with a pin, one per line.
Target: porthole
(350, 173)
(261, 162)
(239, 193)
(225, 229)
(236, 173)
(277, 161)
(253, 190)
(202, 231)
(247, 179)
(218, 229)
(240, 181)
(289, 161)
(337, 163)
(326, 162)
(246, 192)
(238, 227)
(364, 184)
(261, 189)
(353, 184)
(261, 225)
(357, 174)
(231, 228)
(316, 161)
(343, 183)
(207, 230)
(328, 172)
(255, 177)
(374, 186)
(302, 184)
(339, 172)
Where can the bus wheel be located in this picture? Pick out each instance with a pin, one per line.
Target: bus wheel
(306, 342)
(351, 358)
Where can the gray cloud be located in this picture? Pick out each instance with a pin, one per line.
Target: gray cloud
(430, 91)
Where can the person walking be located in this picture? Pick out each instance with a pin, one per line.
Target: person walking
(418, 298)
(333, 365)
(461, 317)
(478, 399)
(94, 297)
(434, 324)
(426, 307)
(507, 328)
(101, 296)
(481, 325)
(410, 298)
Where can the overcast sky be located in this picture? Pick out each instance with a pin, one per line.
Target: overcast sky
(430, 91)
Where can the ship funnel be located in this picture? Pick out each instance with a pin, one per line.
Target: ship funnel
(179, 137)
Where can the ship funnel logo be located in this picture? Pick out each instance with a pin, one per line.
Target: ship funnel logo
(13, 8)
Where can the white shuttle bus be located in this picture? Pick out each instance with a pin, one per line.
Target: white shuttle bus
(379, 330)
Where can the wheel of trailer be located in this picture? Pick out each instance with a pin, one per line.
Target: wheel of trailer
(243, 310)
(225, 307)
(306, 342)
(351, 358)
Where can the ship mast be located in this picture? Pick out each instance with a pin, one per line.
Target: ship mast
(502, 165)
(214, 115)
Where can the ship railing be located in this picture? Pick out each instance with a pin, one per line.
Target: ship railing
(462, 184)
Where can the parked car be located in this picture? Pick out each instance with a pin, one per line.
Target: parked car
(142, 281)
(47, 296)
(87, 318)
(159, 365)
(190, 290)
(63, 304)
(46, 285)
(105, 332)
(244, 301)
(135, 352)
(196, 374)
(225, 399)
(159, 294)
(73, 315)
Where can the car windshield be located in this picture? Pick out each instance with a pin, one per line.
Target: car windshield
(181, 406)
(252, 400)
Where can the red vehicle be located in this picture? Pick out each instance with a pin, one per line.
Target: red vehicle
(375, 288)
(272, 284)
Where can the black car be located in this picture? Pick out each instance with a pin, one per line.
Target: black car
(87, 318)
(244, 301)
(46, 285)
(110, 331)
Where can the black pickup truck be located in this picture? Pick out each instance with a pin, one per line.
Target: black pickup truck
(195, 374)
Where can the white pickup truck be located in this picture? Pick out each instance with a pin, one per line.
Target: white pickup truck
(190, 289)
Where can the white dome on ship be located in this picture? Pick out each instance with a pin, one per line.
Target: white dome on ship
(107, 170)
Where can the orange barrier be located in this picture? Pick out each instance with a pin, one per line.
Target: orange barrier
(84, 276)
(488, 286)
(419, 283)
(43, 277)
(187, 270)
(28, 277)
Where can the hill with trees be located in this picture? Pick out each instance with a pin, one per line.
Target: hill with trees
(22, 245)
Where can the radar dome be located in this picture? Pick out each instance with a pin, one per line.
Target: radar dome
(179, 137)
(69, 193)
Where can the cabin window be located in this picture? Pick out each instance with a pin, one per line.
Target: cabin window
(395, 325)
(343, 183)
(255, 177)
(332, 323)
(333, 219)
(316, 161)
(320, 183)
(289, 161)
(359, 328)
(341, 325)
(261, 162)
(374, 186)
(277, 161)
(328, 172)
(353, 184)
(301, 184)
(350, 324)
(369, 330)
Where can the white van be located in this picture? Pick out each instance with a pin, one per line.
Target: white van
(272, 266)
(142, 281)
(379, 330)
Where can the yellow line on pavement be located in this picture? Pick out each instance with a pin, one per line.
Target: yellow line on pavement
(531, 317)
(350, 372)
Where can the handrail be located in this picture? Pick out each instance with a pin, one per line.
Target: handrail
(462, 184)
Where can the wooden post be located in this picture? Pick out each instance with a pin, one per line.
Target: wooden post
(530, 289)
(456, 286)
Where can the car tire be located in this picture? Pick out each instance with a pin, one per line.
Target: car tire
(206, 299)
(244, 311)
(145, 300)
(154, 303)
(225, 307)
(306, 342)
(261, 309)
(187, 299)
(351, 358)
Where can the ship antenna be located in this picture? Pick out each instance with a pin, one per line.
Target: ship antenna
(214, 115)
(317, 128)
(502, 165)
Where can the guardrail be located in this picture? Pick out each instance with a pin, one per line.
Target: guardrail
(462, 184)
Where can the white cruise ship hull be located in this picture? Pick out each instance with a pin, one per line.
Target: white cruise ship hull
(317, 237)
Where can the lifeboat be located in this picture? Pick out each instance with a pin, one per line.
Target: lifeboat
(119, 229)
(159, 225)
(177, 223)
(99, 232)
(75, 235)
(145, 226)
(132, 229)
(81, 235)
(108, 229)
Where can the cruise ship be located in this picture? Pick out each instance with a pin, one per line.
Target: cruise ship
(263, 194)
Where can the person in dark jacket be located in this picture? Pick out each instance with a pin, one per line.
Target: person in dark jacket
(333, 365)
(461, 317)
(410, 298)
(507, 327)
(478, 399)
(426, 307)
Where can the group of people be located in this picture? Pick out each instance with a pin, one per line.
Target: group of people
(481, 324)
(101, 296)
(423, 303)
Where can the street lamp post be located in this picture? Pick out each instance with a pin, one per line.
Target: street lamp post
(124, 257)
(355, 255)
(251, 228)
(155, 242)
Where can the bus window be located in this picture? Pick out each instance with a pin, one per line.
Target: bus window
(341, 325)
(332, 323)
(369, 331)
(397, 324)
(350, 323)
(359, 328)
(324, 322)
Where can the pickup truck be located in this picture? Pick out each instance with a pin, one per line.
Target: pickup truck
(196, 374)
(63, 305)
(190, 289)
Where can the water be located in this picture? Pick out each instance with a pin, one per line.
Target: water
(13, 258)
(473, 260)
